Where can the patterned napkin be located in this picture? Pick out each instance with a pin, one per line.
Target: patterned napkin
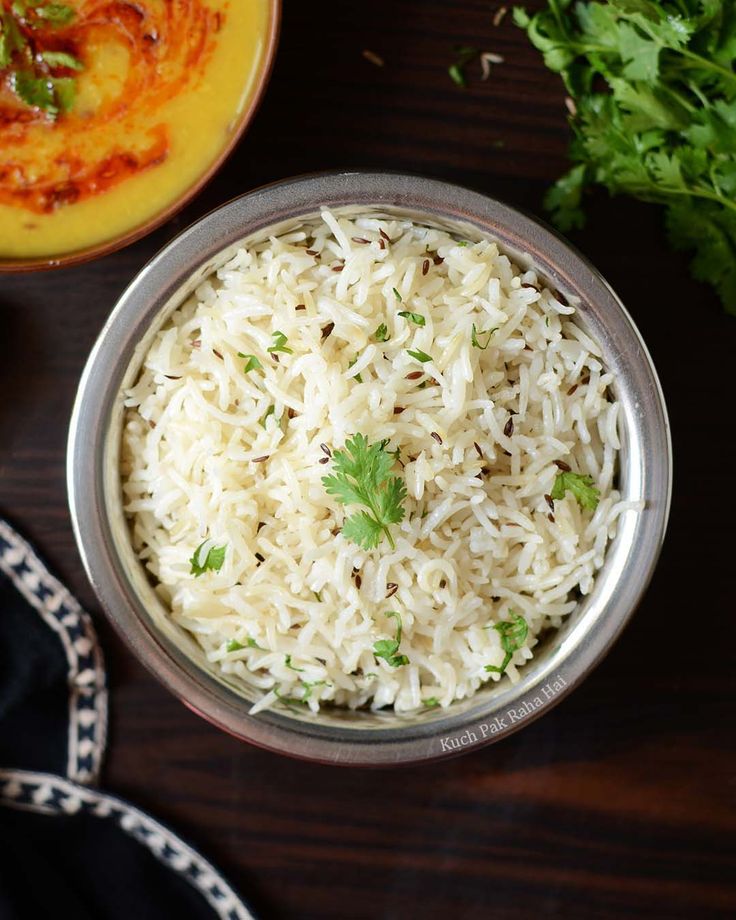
(66, 847)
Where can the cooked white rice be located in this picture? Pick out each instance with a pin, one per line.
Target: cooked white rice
(479, 541)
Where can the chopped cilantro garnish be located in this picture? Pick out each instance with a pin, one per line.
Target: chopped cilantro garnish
(207, 558)
(581, 487)
(388, 648)
(252, 364)
(415, 318)
(279, 344)
(475, 340)
(513, 634)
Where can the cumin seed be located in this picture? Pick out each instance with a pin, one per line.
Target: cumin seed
(373, 58)
(324, 459)
(477, 449)
(391, 589)
(560, 464)
(300, 306)
(438, 260)
(217, 354)
(385, 235)
(260, 558)
(327, 330)
(415, 375)
(551, 518)
(508, 428)
(436, 436)
(398, 410)
(572, 389)
(425, 266)
(338, 268)
(171, 377)
(260, 459)
(550, 501)
(360, 239)
(325, 450)
(358, 582)
(311, 252)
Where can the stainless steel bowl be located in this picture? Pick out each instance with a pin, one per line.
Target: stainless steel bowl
(341, 736)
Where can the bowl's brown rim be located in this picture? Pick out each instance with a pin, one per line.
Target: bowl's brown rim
(77, 257)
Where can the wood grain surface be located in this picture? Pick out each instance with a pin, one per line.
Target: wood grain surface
(617, 804)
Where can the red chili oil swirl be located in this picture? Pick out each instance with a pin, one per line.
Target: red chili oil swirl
(168, 43)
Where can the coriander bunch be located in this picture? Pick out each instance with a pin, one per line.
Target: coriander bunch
(663, 126)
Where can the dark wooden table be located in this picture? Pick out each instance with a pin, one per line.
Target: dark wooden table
(620, 802)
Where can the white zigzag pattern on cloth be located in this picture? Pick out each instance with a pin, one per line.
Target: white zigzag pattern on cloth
(61, 611)
(50, 794)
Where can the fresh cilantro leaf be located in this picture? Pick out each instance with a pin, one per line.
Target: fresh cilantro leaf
(513, 633)
(362, 476)
(279, 344)
(415, 318)
(35, 91)
(419, 355)
(56, 14)
(397, 296)
(65, 89)
(11, 38)
(235, 646)
(564, 199)
(381, 334)
(474, 341)
(62, 59)
(207, 558)
(252, 364)
(387, 649)
(581, 487)
(431, 702)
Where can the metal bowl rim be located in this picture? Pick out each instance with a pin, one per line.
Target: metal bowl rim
(159, 280)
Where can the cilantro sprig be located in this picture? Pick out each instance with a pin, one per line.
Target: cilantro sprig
(664, 129)
(513, 633)
(580, 486)
(388, 649)
(362, 476)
